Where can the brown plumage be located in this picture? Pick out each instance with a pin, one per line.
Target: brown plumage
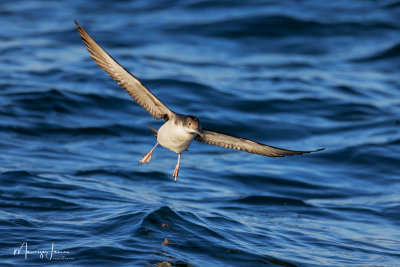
(125, 79)
(239, 143)
(179, 130)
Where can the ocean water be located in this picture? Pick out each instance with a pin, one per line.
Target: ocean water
(294, 74)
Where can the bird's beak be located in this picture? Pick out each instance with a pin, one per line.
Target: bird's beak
(198, 132)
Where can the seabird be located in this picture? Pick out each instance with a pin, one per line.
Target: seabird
(178, 131)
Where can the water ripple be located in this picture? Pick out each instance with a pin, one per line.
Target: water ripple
(297, 75)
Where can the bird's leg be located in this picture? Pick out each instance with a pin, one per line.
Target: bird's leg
(176, 171)
(146, 158)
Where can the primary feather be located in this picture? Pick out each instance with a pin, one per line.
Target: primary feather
(125, 79)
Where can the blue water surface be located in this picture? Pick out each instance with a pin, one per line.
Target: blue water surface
(300, 75)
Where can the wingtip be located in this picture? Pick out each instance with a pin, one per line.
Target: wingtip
(317, 150)
(303, 152)
(78, 26)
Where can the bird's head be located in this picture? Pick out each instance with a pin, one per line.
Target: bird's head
(192, 125)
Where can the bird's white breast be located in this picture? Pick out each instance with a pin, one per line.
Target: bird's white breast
(174, 137)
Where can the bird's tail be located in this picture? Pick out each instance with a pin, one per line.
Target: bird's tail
(153, 130)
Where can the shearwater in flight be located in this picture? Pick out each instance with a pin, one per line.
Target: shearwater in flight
(178, 131)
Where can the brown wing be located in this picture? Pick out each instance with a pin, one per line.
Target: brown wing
(228, 141)
(126, 80)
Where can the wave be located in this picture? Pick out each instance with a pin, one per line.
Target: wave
(271, 71)
(390, 53)
(270, 200)
(278, 26)
(64, 101)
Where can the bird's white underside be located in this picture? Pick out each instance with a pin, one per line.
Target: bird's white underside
(174, 137)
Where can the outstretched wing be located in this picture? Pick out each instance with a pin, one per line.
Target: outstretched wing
(126, 80)
(228, 141)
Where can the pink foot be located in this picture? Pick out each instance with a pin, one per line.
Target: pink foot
(146, 158)
(176, 171)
